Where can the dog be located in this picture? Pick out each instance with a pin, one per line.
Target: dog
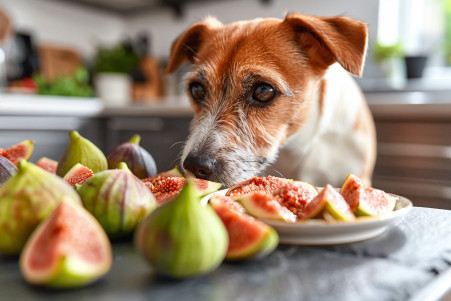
(274, 96)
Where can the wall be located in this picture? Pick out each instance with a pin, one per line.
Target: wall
(164, 27)
(83, 28)
(64, 23)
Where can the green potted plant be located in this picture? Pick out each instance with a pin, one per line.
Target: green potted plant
(112, 67)
(390, 57)
(447, 33)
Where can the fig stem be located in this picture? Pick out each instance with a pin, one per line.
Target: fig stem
(22, 165)
(136, 139)
(123, 165)
(74, 135)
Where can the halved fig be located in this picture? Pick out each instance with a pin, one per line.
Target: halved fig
(263, 205)
(249, 238)
(366, 200)
(78, 174)
(17, 152)
(374, 202)
(329, 202)
(295, 195)
(47, 164)
(166, 188)
(67, 250)
(266, 184)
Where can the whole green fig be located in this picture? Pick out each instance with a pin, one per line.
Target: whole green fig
(81, 150)
(26, 199)
(118, 199)
(183, 238)
(140, 161)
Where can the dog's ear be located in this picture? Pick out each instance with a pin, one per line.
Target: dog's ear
(188, 44)
(327, 40)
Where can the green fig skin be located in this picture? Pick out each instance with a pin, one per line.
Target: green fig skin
(118, 199)
(139, 160)
(182, 238)
(81, 150)
(26, 199)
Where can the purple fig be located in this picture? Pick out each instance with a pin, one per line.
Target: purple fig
(7, 169)
(118, 199)
(139, 161)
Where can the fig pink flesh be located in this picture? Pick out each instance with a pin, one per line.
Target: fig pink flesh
(62, 236)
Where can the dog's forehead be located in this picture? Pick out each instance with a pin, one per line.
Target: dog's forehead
(240, 43)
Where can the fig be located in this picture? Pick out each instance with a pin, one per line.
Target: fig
(15, 153)
(182, 238)
(175, 172)
(166, 188)
(7, 170)
(351, 189)
(26, 199)
(374, 202)
(266, 184)
(139, 160)
(47, 164)
(67, 250)
(365, 200)
(261, 204)
(330, 202)
(78, 174)
(249, 238)
(81, 150)
(118, 199)
(295, 195)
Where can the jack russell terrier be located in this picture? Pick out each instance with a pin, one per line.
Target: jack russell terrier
(271, 96)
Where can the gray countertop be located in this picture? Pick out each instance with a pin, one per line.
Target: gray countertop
(410, 261)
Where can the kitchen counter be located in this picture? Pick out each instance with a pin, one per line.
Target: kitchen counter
(424, 104)
(410, 261)
(410, 105)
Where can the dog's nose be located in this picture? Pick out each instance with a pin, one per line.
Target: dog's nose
(201, 166)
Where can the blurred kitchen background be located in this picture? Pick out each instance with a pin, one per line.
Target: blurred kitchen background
(97, 66)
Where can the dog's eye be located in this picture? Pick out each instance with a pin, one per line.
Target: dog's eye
(263, 93)
(198, 91)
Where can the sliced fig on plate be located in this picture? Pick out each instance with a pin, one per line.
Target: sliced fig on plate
(365, 200)
(263, 205)
(249, 238)
(375, 202)
(329, 202)
(295, 195)
(266, 184)
(69, 249)
(351, 190)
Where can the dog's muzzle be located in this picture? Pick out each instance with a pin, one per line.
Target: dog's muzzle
(201, 166)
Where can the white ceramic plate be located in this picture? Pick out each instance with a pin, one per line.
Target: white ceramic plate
(320, 232)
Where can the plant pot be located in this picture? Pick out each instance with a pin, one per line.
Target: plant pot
(114, 89)
(415, 66)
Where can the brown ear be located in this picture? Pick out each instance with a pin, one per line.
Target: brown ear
(327, 40)
(188, 44)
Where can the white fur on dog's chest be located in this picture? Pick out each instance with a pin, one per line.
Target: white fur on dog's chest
(325, 148)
